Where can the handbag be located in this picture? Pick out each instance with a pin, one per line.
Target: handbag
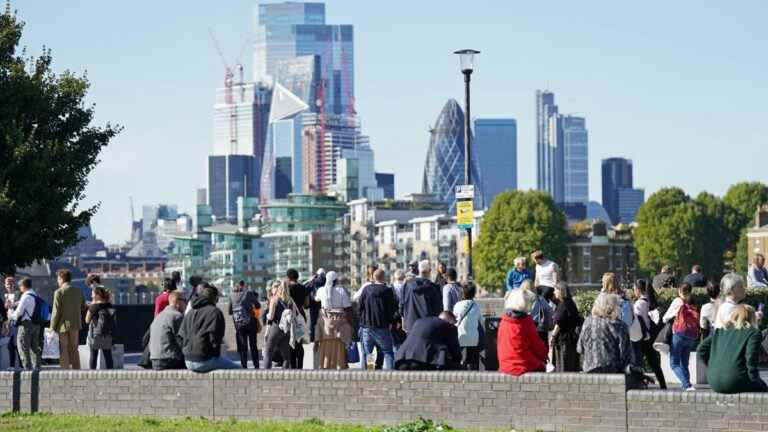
(664, 338)
(256, 312)
(353, 354)
(635, 330)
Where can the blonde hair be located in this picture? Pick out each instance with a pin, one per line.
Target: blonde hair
(609, 283)
(606, 306)
(520, 300)
(742, 317)
(283, 292)
(526, 285)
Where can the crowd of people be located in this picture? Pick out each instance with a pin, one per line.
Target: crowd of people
(414, 321)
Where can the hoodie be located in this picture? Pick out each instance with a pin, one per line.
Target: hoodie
(202, 331)
(421, 298)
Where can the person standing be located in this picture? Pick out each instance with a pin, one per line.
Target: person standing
(300, 298)
(277, 341)
(565, 335)
(685, 331)
(547, 273)
(314, 284)
(732, 288)
(378, 307)
(334, 331)
(442, 276)
(468, 322)
(451, 290)
(29, 339)
(518, 274)
(696, 279)
(11, 298)
(164, 339)
(644, 347)
(66, 317)
(101, 327)
(161, 302)
(202, 332)
(421, 297)
(604, 339)
(243, 308)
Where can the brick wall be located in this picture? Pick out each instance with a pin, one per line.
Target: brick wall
(700, 411)
(6, 391)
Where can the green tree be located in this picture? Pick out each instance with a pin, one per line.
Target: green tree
(517, 224)
(715, 237)
(47, 148)
(741, 259)
(744, 198)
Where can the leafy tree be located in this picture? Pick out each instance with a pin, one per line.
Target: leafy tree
(517, 224)
(47, 148)
(744, 198)
(715, 237)
(741, 260)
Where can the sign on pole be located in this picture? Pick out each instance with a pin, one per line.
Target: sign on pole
(465, 192)
(465, 214)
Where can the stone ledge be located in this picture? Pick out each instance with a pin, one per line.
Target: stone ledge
(698, 396)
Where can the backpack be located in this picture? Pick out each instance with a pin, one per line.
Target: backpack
(541, 315)
(105, 324)
(293, 324)
(41, 314)
(686, 321)
(241, 312)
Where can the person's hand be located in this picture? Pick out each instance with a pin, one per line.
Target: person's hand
(759, 316)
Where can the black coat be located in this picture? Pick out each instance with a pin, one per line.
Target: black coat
(431, 342)
(202, 331)
(421, 298)
(378, 306)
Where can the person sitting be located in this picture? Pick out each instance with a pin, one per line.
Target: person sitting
(164, 339)
(732, 288)
(432, 344)
(604, 340)
(665, 279)
(696, 279)
(518, 274)
(519, 347)
(708, 311)
(202, 332)
(757, 275)
(421, 297)
(732, 354)
(611, 286)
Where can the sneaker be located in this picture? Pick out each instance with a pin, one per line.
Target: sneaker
(691, 388)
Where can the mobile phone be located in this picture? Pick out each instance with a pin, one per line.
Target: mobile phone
(760, 307)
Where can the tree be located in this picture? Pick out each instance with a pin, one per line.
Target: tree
(47, 148)
(744, 198)
(517, 224)
(715, 237)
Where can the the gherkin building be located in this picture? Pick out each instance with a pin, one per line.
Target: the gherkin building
(444, 167)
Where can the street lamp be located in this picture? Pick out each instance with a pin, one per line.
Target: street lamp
(467, 64)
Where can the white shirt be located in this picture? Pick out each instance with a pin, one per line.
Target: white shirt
(339, 299)
(724, 312)
(469, 335)
(708, 315)
(546, 274)
(25, 308)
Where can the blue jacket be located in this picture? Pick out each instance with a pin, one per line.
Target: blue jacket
(515, 278)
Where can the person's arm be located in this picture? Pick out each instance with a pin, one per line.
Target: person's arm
(510, 282)
(272, 306)
(56, 312)
(556, 275)
(753, 350)
(446, 291)
(704, 349)
(671, 313)
(625, 348)
(88, 316)
(536, 280)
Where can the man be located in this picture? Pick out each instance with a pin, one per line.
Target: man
(378, 306)
(176, 279)
(161, 302)
(68, 306)
(441, 278)
(546, 273)
(317, 281)
(696, 279)
(300, 297)
(732, 288)
(451, 290)
(202, 332)
(11, 297)
(28, 338)
(164, 339)
(665, 279)
(432, 344)
(421, 297)
(757, 275)
(518, 274)
(243, 305)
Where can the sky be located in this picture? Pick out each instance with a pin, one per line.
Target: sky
(678, 87)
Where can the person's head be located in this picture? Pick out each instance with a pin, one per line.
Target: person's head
(665, 269)
(609, 283)
(100, 294)
(274, 288)
(92, 279)
(732, 286)
(292, 275)
(370, 270)
(537, 257)
(441, 268)
(743, 316)
(684, 292)
(10, 284)
(379, 276)
(468, 291)
(696, 269)
(194, 281)
(210, 292)
(606, 306)
(168, 285)
(713, 290)
(562, 291)
(413, 268)
(240, 287)
(64, 276)
(320, 271)
(520, 300)
(176, 278)
(448, 317)
(284, 292)
(177, 301)
(451, 275)
(399, 276)
(519, 263)
(641, 288)
(425, 268)
(25, 285)
(759, 260)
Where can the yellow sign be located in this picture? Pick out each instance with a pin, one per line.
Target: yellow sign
(465, 214)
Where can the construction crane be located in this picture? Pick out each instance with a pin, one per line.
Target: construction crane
(229, 78)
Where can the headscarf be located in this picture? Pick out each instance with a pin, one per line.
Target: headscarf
(330, 282)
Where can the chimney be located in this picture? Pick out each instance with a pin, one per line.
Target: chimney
(761, 216)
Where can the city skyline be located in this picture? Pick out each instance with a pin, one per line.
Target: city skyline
(640, 78)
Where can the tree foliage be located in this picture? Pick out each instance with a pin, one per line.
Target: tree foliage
(517, 224)
(47, 148)
(744, 198)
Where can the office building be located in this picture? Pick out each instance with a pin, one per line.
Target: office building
(575, 150)
(630, 201)
(546, 156)
(386, 181)
(617, 174)
(444, 165)
(231, 177)
(495, 147)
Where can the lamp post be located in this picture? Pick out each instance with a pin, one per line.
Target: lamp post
(467, 64)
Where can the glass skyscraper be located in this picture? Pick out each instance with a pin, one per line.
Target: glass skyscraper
(495, 147)
(575, 150)
(231, 177)
(444, 166)
(620, 199)
(546, 172)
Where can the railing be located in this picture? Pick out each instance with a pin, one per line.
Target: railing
(133, 298)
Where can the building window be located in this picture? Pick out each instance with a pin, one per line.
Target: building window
(586, 258)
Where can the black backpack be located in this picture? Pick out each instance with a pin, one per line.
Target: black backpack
(105, 323)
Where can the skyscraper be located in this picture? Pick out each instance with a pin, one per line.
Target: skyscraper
(386, 181)
(495, 147)
(620, 199)
(575, 151)
(444, 165)
(229, 178)
(288, 30)
(545, 149)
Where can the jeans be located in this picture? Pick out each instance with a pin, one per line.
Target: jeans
(211, 364)
(245, 337)
(679, 353)
(107, 358)
(382, 338)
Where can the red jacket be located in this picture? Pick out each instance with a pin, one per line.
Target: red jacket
(161, 302)
(519, 348)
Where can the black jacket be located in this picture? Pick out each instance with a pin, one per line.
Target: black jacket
(433, 342)
(202, 331)
(421, 298)
(378, 306)
(696, 280)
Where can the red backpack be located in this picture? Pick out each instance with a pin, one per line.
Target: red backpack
(687, 321)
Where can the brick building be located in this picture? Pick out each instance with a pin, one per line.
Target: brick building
(596, 250)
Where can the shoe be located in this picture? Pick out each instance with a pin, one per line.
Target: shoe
(691, 388)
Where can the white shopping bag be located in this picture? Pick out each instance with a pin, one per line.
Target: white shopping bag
(50, 344)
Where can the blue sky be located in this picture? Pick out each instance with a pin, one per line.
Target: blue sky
(679, 87)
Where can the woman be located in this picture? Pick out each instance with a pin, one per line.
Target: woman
(100, 318)
(519, 347)
(604, 339)
(732, 353)
(611, 286)
(468, 321)
(685, 331)
(643, 348)
(564, 336)
(276, 340)
(709, 310)
(333, 332)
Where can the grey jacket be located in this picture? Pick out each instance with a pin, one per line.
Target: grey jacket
(164, 339)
